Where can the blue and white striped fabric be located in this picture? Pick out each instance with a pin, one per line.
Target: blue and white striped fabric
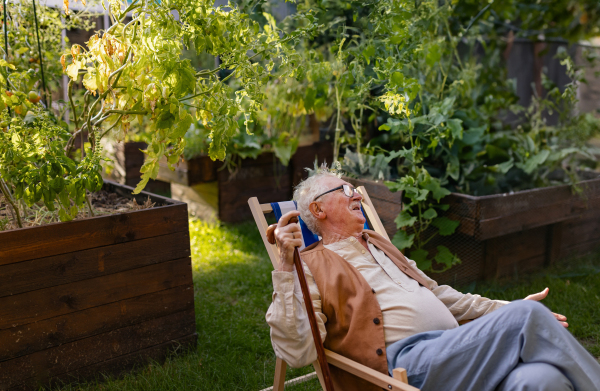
(308, 237)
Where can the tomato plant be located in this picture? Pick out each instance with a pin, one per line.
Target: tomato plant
(134, 71)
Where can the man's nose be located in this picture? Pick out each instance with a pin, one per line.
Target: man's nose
(357, 195)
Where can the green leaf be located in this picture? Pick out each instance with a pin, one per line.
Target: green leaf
(384, 127)
(309, 98)
(473, 135)
(435, 187)
(182, 125)
(420, 257)
(456, 129)
(398, 78)
(429, 214)
(534, 162)
(165, 120)
(446, 258)
(433, 55)
(4, 63)
(404, 219)
(140, 186)
(504, 167)
(445, 225)
(402, 240)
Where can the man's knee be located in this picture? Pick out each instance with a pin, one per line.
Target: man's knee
(527, 309)
(535, 377)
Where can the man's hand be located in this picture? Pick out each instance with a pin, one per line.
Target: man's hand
(542, 295)
(288, 236)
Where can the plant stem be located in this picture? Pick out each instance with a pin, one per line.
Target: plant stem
(87, 200)
(8, 196)
(37, 33)
(336, 139)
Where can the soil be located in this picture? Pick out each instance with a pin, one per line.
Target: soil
(103, 203)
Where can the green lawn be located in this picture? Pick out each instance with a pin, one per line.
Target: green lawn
(233, 291)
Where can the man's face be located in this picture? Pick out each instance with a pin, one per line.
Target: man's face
(343, 214)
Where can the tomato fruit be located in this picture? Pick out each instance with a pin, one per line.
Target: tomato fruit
(33, 97)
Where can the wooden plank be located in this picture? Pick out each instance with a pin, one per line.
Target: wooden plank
(516, 253)
(371, 213)
(63, 299)
(279, 380)
(507, 204)
(305, 158)
(531, 218)
(67, 268)
(553, 243)
(120, 365)
(291, 382)
(523, 266)
(93, 350)
(27, 339)
(233, 193)
(179, 176)
(261, 224)
(60, 238)
(366, 373)
(463, 205)
(580, 230)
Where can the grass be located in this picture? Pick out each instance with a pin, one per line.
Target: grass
(232, 285)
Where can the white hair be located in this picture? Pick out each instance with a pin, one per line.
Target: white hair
(307, 190)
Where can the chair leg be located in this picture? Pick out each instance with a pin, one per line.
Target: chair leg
(280, 367)
(400, 374)
(319, 374)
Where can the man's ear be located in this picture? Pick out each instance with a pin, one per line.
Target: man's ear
(316, 210)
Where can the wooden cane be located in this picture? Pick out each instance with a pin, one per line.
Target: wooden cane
(312, 317)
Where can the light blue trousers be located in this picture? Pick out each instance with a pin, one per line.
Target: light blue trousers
(518, 347)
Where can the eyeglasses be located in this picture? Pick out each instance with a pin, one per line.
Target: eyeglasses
(349, 191)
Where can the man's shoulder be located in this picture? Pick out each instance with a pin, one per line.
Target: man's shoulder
(313, 248)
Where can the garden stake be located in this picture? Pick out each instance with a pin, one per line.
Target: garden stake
(312, 317)
(37, 33)
(6, 49)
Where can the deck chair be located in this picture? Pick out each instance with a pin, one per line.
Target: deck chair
(399, 380)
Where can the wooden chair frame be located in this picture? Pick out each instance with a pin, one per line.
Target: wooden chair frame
(397, 382)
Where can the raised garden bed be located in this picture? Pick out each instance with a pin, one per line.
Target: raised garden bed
(191, 172)
(100, 295)
(267, 179)
(506, 234)
(128, 160)
(264, 177)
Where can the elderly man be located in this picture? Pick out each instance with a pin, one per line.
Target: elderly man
(376, 307)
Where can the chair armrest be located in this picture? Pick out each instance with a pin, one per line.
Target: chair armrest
(366, 373)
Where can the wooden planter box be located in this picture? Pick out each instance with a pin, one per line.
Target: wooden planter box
(189, 172)
(506, 234)
(128, 160)
(264, 177)
(305, 158)
(100, 295)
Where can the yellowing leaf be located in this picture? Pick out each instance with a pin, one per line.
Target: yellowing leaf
(89, 81)
(6, 64)
(73, 70)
